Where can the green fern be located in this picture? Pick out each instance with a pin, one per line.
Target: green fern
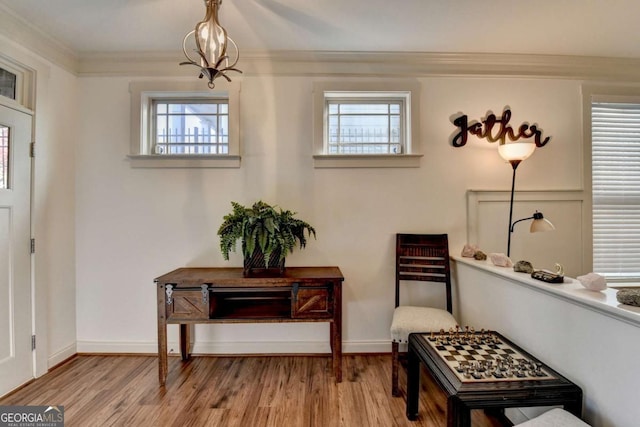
(262, 227)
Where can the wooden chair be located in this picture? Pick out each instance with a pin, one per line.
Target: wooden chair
(424, 258)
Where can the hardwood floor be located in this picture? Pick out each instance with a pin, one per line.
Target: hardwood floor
(277, 391)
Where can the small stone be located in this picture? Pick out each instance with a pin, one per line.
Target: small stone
(523, 267)
(629, 297)
(500, 260)
(593, 281)
(469, 250)
(480, 256)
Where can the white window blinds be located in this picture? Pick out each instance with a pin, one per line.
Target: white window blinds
(615, 139)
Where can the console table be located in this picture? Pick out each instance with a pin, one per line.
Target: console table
(224, 295)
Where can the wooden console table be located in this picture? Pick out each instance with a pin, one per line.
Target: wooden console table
(223, 295)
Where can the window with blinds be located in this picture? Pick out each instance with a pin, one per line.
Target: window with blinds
(615, 136)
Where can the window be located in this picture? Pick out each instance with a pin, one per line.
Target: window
(191, 126)
(17, 84)
(366, 125)
(8, 82)
(184, 125)
(4, 157)
(615, 151)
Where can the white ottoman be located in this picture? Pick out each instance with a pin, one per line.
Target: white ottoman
(557, 417)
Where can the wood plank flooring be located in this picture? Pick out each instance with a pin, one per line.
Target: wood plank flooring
(278, 391)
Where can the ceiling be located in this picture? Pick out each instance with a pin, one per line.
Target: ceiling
(562, 27)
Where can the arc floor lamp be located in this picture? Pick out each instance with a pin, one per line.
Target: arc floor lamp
(515, 153)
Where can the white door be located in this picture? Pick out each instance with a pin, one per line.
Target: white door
(16, 356)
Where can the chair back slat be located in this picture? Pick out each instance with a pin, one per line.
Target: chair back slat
(424, 258)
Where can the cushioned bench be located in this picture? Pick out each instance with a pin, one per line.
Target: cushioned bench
(557, 417)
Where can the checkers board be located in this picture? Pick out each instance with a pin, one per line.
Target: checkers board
(484, 357)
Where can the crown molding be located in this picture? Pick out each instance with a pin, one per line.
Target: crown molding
(17, 30)
(374, 64)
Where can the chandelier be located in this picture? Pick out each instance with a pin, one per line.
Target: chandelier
(211, 43)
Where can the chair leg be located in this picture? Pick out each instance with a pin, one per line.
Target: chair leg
(394, 369)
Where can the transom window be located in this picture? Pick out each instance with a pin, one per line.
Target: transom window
(365, 126)
(191, 127)
(4, 157)
(8, 81)
(180, 125)
(362, 124)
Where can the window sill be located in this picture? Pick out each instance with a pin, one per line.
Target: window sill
(186, 161)
(367, 160)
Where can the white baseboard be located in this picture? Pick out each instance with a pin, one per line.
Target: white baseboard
(380, 346)
(212, 347)
(120, 347)
(61, 355)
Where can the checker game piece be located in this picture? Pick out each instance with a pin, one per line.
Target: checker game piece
(483, 356)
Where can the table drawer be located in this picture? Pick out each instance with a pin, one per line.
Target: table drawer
(187, 305)
(312, 302)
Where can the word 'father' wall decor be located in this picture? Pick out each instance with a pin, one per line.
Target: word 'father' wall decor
(487, 129)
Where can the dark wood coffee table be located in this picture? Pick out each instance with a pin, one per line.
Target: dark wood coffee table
(538, 385)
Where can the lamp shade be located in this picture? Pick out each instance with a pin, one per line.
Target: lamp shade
(540, 223)
(211, 38)
(516, 151)
(211, 45)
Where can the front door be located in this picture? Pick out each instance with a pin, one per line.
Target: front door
(16, 356)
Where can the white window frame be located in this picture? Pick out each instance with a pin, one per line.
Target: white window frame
(25, 85)
(612, 94)
(408, 91)
(142, 96)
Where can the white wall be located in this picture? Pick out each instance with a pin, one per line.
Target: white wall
(54, 205)
(136, 224)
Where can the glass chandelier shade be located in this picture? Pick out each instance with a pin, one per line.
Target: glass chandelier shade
(211, 46)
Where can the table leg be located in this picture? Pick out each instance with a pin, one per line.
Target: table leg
(162, 336)
(185, 341)
(575, 407)
(413, 384)
(335, 330)
(458, 414)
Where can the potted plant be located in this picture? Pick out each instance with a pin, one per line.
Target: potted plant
(268, 234)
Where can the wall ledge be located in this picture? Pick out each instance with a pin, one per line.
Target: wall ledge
(603, 302)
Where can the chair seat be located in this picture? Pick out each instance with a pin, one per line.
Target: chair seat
(557, 417)
(409, 319)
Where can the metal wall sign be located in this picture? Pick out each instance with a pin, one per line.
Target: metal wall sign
(496, 129)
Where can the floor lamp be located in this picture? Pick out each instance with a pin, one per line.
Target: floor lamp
(515, 153)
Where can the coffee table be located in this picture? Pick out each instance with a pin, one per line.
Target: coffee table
(450, 358)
